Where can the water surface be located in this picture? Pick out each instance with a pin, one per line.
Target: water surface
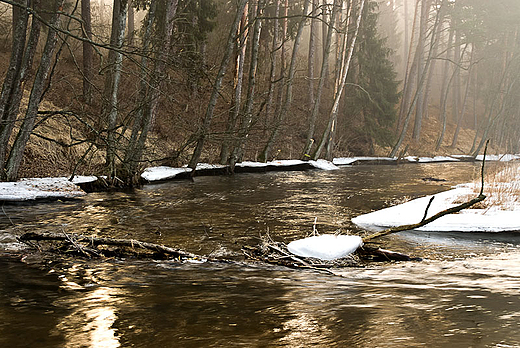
(464, 293)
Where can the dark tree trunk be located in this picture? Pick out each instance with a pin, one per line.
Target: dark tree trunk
(88, 72)
(206, 122)
(12, 78)
(15, 156)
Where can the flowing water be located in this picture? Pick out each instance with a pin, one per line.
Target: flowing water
(465, 293)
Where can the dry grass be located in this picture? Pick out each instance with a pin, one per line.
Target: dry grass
(501, 186)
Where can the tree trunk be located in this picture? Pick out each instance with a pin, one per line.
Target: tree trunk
(420, 86)
(410, 73)
(12, 78)
(290, 80)
(321, 84)
(464, 101)
(245, 125)
(406, 34)
(131, 23)
(135, 149)
(115, 60)
(444, 116)
(312, 48)
(236, 102)
(272, 73)
(425, 11)
(88, 72)
(334, 110)
(16, 155)
(204, 130)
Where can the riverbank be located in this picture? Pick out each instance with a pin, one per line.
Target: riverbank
(34, 189)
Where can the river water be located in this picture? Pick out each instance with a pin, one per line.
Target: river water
(465, 292)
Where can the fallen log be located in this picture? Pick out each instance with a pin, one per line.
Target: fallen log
(91, 246)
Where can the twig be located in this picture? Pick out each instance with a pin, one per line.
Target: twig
(427, 208)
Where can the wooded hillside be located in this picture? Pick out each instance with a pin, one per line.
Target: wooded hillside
(110, 88)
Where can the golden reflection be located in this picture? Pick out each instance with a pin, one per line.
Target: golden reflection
(91, 322)
(303, 330)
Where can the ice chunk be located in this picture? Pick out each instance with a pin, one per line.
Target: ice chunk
(325, 246)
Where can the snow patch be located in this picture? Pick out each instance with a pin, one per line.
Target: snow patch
(325, 246)
(344, 161)
(501, 158)
(323, 165)
(39, 188)
(431, 159)
(162, 173)
(468, 220)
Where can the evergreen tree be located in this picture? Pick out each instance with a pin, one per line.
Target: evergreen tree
(371, 107)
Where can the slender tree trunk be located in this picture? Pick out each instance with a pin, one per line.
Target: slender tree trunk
(444, 106)
(312, 48)
(245, 125)
(324, 34)
(410, 73)
(445, 71)
(289, 85)
(464, 101)
(456, 85)
(12, 78)
(236, 102)
(423, 27)
(113, 80)
(492, 120)
(16, 155)
(137, 144)
(206, 123)
(131, 23)
(272, 73)
(337, 97)
(420, 86)
(321, 85)
(88, 72)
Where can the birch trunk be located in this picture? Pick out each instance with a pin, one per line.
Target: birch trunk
(321, 85)
(337, 97)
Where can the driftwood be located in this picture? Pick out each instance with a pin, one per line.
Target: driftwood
(96, 246)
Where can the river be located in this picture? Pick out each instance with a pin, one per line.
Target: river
(463, 294)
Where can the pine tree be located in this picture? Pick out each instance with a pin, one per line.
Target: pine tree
(373, 101)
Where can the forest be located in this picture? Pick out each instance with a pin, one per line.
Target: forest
(110, 88)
